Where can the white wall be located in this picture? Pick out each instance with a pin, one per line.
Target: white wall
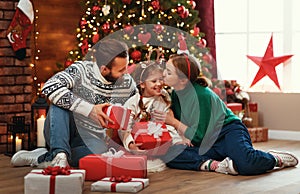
(278, 111)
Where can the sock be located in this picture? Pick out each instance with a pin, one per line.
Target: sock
(278, 161)
(209, 165)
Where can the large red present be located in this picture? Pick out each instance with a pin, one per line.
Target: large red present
(154, 137)
(98, 166)
(119, 114)
(258, 134)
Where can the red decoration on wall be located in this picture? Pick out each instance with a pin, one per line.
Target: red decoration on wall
(267, 64)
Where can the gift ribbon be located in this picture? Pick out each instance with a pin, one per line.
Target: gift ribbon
(121, 179)
(112, 153)
(123, 117)
(54, 171)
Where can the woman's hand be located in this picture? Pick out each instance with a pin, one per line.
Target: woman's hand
(158, 116)
(186, 141)
(99, 116)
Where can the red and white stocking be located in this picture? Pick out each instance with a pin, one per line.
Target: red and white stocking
(20, 27)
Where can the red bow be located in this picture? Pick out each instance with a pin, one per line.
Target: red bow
(56, 170)
(120, 179)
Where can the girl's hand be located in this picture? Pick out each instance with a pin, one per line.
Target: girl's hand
(186, 141)
(134, 148)
(99, 116)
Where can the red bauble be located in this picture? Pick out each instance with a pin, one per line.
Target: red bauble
(180, 9)
(185, 14)
(196, 31)
(95, 38)
(193, 4)
(128, 29)
(206, 58)
(95, 9)
(83, 22)
(106, 27)
(155, 4)
(158, 28)
(136, 55)
(201, 43)
(68, 62)
(127, 1)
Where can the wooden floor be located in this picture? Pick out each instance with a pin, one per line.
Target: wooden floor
(180, 181)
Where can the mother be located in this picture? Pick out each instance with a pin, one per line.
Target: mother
(221, 141)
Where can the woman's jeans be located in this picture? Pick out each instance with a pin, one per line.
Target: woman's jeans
(63, 135)
(234, 142)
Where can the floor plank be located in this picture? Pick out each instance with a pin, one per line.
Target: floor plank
(182, 181)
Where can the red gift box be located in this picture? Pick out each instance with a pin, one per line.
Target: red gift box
(98, 166)
(253, 107)
(156, 142)
(258, 134)
(119, 114)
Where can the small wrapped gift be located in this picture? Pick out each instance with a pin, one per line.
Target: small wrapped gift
(120, 184)
(119, 114)
(113, 163)
(54, 180)
(258, 134)
(154, 137)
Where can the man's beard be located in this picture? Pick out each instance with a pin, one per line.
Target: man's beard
(110, 78)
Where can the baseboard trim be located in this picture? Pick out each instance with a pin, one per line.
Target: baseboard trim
(284, 135)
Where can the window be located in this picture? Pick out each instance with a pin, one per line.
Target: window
(244, 27)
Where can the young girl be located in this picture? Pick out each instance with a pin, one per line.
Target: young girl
(216, 133)
(150, 98)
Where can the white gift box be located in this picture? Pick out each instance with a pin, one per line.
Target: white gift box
(36, 182)
(133, 186)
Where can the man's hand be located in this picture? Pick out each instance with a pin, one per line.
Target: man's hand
(99, 116)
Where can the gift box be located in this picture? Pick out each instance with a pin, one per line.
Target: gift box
(154, 137)
(99, 166)
(258, 134)
(236, 108)
(253, 113)
(39, 182)
(119, 114)
(116, 184)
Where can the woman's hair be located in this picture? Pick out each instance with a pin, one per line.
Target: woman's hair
(106, 50)
(187, 66)
(140, 75)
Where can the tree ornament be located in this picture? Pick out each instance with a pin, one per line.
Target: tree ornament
(192, 3)
(128, 29)
(106, 27)
(196, 31)
(106, 10)
(182, 45)
(201, 43)
(127, 1)
(182, 11)
(83, 22)
(68, 62)
(85, 46)
(206, 58)
(267, 64)
(155, 4)
(95, 9)
(136, 55)
(158, 28)
(95, 38)
(144, 38)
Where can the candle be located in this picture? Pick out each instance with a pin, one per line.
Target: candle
(40, 131)
(18, 144)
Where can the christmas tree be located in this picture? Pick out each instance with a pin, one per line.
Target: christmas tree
(143, 25)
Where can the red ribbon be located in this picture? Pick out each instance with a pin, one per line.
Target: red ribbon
(53, 171)
(118, 179)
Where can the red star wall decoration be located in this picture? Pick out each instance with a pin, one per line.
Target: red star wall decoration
(267, 64)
